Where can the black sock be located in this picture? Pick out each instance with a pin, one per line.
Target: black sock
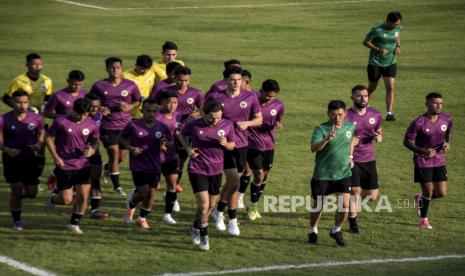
(245, 180)
(262, 187)
(232, 213)
(196, 224)
(144, 213)
(40, 164)
(204, 230)
(170, 198)
(254, 193)
(115, 180)
(95, 203)
(221, 206)
(424, 205)
(16, 214)
(75, 219)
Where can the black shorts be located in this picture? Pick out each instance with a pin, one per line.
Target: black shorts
(67, 179)
(96, 159)
(182, 154)
(327, 187)
(375, 72)
(201, 183)
(365, 175)
(21, 168)
(110, 137)
(260, 160)
(170, 167)
(425, 175)
(235, 159)
(142, 178)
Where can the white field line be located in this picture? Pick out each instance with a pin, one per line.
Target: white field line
(25, 267)
(75, 3)
(315, 265)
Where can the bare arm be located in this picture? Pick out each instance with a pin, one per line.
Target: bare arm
(50, 142)
(256, 121)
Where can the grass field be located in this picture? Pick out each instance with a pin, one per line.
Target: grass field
(314, 49)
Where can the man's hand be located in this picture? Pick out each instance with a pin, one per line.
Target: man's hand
(135, 150)
(89, 151)
(105, 110)
(243, 125)
(11, 151)
(35, 147)
(59, 162)
(193, 153)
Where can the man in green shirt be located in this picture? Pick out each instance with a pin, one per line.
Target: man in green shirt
(333, 143)
(384, 43)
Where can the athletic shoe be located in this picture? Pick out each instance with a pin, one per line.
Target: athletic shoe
(204, 244)
(337, 237)
(313, 238)
(40, 188)
(176, 207)
(424, 224)
(97, 214)
(219, 219)
(240, 201)
(195, 234)
(119, 191)
(390, 117)
(18, 226)
(252, 212)
(142, 223)
(233, 227)
(179, 188)
(75, 229)
(49, 206)
(105, 174)
(51, 181)
(129, 197)
(416, 199)
(168, 219)
(128, 215)
(353, 226)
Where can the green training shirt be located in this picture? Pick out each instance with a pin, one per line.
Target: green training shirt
(386, 39)
(332, 162)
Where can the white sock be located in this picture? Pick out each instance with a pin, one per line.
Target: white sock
(389, 113)
(335, 229)
(314, 229)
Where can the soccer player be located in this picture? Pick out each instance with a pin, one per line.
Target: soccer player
(211, 137)
(146, 139)
(262, 142)
(21, 137)
(143, 76)
(384, 43)
(333, 143)
(222, 84)
(169, 53)
(72, 140)
(243, 109)
(429, 137)
(119, 97)
(170, 164)
(168, 81)
(367, 123)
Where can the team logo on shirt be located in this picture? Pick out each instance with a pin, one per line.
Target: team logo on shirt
(427, 130)
(190, 101)
(105, 92)
(444, 127)
(149, 81)
(348, 134)
(141, 133)
(98, 123)
(396, 34)
(176, 125)
(158, 134)
(68, 102)
(43, 87)
(273, 112)
(243, 105)
(85, 131)
(124, 93)
(13, 127)
(70, 130)
(31, 126)
(221, 133)
(372, 121)
(201, 132)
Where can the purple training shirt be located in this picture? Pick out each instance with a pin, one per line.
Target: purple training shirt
(61, 102)
(173, 124)
(262, 138)
(20, 134)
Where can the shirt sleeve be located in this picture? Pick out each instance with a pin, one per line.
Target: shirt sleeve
(411, 133)
(40, 124)
(231, 136)
(280, 115)
(255, 106)
(371, 35)
(53, 128)
(199, 100)
(188, 129)
(14, 86)
(48, 85)
(51, 104)
(135, 95)
(96, 133)
(318, 134)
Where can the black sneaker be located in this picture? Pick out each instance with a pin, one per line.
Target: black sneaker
(353, 226)
(337, 237)
(313, 238)
(390, 117)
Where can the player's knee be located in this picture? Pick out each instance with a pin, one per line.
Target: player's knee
(67, 199)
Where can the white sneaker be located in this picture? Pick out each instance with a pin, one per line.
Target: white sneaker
(176, 207)
(168, 219)
(195, 234)
(75, 229)
(119, 191)
(128, 215)
(240, 201)
(219, 219)
(204, 244)
(233, 228)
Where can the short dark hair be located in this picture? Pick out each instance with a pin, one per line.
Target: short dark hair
(433, 95)
(30, 57)
(394, 16)
(230, 62)
(171, 66)
(336, 104)
(358, 87)
(182, 70)
(212, 106)
(19, 93)
(92, 97)
(246, 73)
(169, 45)
(76, 75)
(149, 101)
(111, 60)
(270, 85)
(144, 61)
(168, 93)
(232, 70)
(81, 106)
